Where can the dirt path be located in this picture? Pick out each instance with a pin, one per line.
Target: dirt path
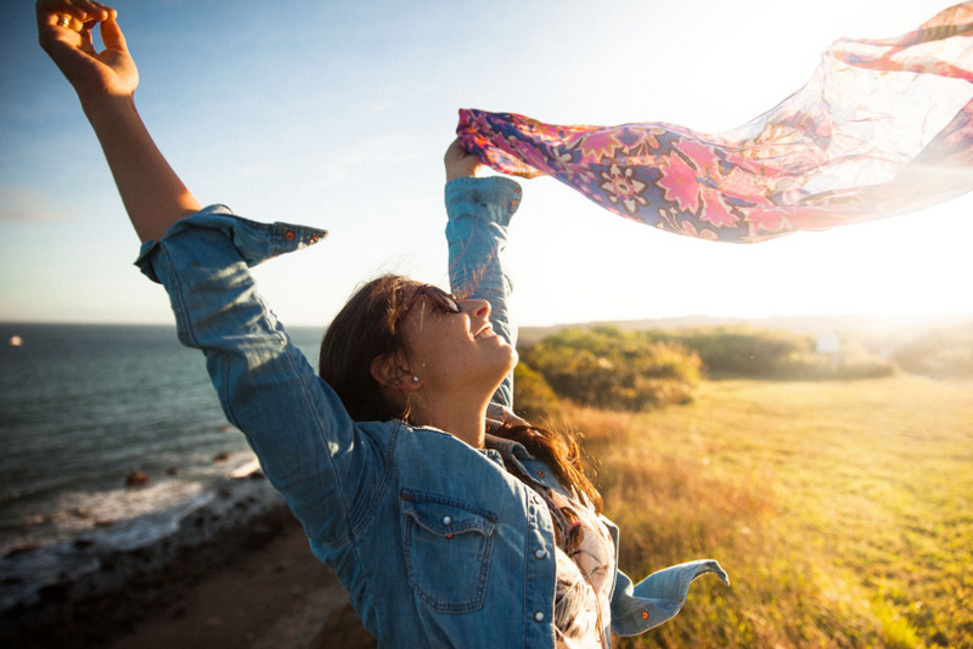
(277, 596)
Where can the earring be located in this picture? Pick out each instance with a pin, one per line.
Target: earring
(415, 379)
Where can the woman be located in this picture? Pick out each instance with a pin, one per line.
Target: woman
(443, 534)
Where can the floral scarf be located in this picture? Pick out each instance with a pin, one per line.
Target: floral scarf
(584, 564)
(883, 127)
(585, 557)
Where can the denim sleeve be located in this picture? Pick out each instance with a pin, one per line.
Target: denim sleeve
(657, 598)
(308, 446)
(479, 211)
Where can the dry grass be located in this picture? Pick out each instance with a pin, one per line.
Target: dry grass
(841, 510)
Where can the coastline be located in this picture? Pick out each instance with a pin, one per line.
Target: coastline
(233, 563)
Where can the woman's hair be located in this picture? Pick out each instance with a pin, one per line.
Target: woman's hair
(558, 451)
(368, 327)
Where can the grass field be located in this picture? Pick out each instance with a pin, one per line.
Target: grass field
(843, 511)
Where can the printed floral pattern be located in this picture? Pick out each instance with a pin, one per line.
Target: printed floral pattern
(621, 186)
(585, 557)
(854, 144)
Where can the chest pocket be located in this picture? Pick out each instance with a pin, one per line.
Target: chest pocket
(448, 546)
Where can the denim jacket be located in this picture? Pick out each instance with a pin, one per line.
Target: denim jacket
(437, 544)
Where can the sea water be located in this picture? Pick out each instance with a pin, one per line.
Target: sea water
(82, 407)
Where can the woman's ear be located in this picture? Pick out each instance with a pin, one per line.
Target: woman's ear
(387, 371)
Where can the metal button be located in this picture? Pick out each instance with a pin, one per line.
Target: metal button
(539, 616)
(540, 554)
(447, 520)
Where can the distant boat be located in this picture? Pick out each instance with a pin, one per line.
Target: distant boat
(16, 341)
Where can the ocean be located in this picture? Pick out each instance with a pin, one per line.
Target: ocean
(83, 407)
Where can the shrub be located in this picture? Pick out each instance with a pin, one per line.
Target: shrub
(610, 368)
(944, 353)
(534, 400)
(774, 354)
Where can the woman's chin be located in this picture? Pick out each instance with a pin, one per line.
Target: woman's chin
(514, 359)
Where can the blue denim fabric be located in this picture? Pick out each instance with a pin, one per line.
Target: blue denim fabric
(479, 212)
(436, 543)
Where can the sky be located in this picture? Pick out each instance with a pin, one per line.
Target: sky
(337, 114)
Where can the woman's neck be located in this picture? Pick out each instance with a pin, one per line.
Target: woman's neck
(467, 424)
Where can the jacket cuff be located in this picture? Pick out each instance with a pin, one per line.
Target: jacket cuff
(501, 195)
(255, 242)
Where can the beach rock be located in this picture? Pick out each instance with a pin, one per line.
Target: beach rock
(20, 549)
(91, 588)
(136, 478)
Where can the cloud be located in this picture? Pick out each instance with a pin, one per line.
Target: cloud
(20, 204)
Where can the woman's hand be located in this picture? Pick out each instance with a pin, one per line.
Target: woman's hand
(460, 163)
(105, 81)
(64, 31)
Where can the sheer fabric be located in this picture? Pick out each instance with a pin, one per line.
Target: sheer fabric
(883, 127)
(585, 556)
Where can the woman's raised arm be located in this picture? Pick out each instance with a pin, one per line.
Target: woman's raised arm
(479, 211)
(105, 82)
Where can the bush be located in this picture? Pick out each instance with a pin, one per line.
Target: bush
(772, 354)
(610, 368)
(944, 353)
(534, 400)
(742, 351)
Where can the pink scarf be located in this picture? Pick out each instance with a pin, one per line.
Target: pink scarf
(883, 127)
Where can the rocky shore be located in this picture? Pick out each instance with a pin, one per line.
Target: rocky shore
(229, 568)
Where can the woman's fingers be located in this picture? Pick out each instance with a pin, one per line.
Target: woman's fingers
(112, 37)
(74, 15)
(82, 10)
(460, 162)
(64, 28)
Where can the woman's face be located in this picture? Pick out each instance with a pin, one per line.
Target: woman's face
(456, 353)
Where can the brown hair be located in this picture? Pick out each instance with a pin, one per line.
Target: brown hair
(561, 453)
(367, 327)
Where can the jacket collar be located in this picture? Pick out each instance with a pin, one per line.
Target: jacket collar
(507, 446)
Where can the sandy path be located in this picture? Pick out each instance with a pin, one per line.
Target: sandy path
(275, 596)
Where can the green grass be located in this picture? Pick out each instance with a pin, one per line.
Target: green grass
(843, 511)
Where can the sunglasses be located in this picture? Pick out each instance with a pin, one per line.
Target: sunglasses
(440, 299)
